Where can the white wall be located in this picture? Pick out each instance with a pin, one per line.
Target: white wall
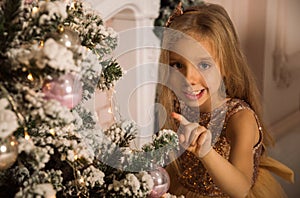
(282, 91)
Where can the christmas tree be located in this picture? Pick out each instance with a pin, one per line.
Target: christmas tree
(53, 55)
(166, 9)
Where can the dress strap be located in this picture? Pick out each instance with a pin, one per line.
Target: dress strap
(236, 105)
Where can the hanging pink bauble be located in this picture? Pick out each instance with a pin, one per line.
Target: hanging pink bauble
(8, 152)
(161, 181)
(28, 1)
(66, 89)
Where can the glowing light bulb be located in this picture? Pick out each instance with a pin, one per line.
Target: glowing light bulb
(41, 44)
(52, 132)
(60, 28)
(3, 148)
(81, 180)
(26, 135)
(30, 77)
(35, 10)
(12, 143)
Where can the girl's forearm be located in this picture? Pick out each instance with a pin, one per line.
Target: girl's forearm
(229, 178)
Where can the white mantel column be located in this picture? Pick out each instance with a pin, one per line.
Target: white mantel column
(137, 53)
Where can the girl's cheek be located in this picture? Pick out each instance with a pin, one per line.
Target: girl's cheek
(175, 81)
(213, 80)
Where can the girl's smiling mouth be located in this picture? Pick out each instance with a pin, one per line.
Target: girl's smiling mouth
(194, 95)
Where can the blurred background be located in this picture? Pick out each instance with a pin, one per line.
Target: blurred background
(269, 35)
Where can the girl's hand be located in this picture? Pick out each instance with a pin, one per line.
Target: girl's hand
(193, 137)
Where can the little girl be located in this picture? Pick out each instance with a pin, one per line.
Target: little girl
(211, 100)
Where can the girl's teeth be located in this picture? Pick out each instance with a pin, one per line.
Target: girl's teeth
(196, 92)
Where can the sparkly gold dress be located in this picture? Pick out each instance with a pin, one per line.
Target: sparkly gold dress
(191, 179)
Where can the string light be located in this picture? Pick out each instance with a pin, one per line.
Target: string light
(26, 135)
(109, 96)
(81, 180)
(12, 143)
(52, 132)
(3, 148)
(41, 43)
(60, 28)
(30, 77)
(34, 10)
(115, 105)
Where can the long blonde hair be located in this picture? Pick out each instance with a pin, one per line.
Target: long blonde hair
(211, 22)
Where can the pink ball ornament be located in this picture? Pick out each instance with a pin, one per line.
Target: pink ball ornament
(29, 1)
(67, 89)
(161, 181)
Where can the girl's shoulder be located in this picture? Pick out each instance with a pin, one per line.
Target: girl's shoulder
(235, 105)
(241, 111)
(242, 114)
(244, 122)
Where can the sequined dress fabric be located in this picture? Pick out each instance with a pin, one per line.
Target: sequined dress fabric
(190, 171)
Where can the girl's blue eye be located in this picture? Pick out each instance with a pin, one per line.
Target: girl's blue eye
(204, 66)
(177, 65)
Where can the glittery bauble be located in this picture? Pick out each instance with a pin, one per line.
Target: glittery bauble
(66, 89)
(66, 37)
(8, 152)
(161, 181)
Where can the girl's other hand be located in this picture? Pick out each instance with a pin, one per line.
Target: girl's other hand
(193, 137)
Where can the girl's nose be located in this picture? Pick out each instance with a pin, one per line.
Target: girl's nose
(193, 75)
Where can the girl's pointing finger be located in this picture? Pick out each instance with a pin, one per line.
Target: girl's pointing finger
(180, 118)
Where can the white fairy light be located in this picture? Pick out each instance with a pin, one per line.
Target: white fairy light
(75, 157)
(30, 77)
(26, 135)
(34, 10)
(12, 143)
(81, 180)
(52, 132)
(3, 148)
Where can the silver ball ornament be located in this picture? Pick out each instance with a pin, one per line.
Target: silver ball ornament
(8, 152)
(66, 37)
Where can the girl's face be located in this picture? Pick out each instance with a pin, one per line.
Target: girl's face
(195, 75)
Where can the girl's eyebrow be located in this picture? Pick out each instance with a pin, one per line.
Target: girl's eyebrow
(209, 58)
(173, 53)
(175, 57)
